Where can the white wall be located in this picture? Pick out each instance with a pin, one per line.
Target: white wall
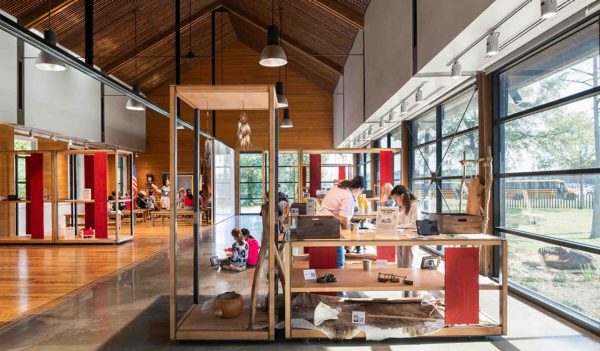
(224, 181)
(123, 127)
(66, 102)
(440, 21)
(8, 78)
(388, 50)
(338, 113)
(354, 87)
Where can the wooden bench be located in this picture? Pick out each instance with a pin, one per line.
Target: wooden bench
(185, 216)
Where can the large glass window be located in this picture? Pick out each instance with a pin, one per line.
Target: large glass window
(288, 175)
(441, 138)
(22, 144)
(363, 166)
(548, 189)
(251, 182)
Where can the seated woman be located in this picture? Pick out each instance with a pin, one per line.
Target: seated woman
(188, 200)
(239, 253)
(253, 248)
(407, 218)
(141, 201)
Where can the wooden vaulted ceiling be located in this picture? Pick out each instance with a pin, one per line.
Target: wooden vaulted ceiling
(317, 34)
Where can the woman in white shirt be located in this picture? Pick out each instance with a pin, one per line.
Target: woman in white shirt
(339, 202)
(407, 218)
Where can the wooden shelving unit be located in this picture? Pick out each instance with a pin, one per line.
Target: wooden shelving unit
(354, 280)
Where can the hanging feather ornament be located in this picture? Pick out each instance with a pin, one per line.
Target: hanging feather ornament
(244, 130)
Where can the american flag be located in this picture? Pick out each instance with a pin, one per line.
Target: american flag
(134, 184)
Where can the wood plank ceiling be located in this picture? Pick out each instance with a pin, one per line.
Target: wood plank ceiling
(317, 34)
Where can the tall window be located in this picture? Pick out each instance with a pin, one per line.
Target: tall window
(440, 139)
(547, 128)
(251, 182)
(363, 166)
(396, 143)
(22, 144)
(288, 175)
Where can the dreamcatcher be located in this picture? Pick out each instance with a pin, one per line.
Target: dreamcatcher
(244, 130)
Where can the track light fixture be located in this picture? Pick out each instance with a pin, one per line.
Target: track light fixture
(418, 96)
(549, 8)
(403, 108)
(180, 127)
(287, 121)
(456, 70)
(492, 45)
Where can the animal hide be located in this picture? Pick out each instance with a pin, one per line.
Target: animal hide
(244, 131)
(304, 305)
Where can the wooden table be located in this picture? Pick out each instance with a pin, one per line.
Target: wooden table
(425, 280)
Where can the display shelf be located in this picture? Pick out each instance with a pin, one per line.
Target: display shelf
(360, 280)
(197, 324)
(110, 240)
(404, 238)
(353, 279)
(76, 201)
(15, 202)
(26, 239)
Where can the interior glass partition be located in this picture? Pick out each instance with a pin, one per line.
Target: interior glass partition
(224, 181)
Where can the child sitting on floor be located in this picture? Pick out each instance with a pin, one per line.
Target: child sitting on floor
(239, 253)
(253, 248)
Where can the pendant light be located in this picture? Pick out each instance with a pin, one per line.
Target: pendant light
(282, 101)
(287, 121)
(44, 61)
(133, 104)
(549, 8)
(273, 55)
(190, 54)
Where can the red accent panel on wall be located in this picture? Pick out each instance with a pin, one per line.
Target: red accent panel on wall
(315, 174)
(386, 175)
(34, 177)
(96, 214)
(342, 172)
(100, 194)
(322, 258)
(461, 281)
(303, 180)
(88, 183)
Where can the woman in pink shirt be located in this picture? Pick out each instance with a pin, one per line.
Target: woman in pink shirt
(253, 248)
(339, 202)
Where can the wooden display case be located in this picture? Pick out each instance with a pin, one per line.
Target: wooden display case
(194, 323)
(352, 280)
(59, 202)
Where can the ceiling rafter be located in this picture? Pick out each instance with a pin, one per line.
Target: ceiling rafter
(40, 13)
(288, 43)
(168, 35)
(341, 12)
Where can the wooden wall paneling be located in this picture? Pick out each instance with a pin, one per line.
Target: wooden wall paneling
(7, 179)
(311, 108)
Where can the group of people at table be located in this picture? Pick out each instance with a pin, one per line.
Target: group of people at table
(341, 202)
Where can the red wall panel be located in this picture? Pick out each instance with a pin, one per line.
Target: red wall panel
(315, 174)
(461, 281)
(34, 176)
(386, 175)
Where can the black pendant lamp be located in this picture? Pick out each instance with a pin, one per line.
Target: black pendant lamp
(282, 101)
(133, 104)
(190, 54)
(287, 121)
(273, 55)
(44, 61)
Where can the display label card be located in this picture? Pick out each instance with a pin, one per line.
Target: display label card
(310, 274)
(387, 220)
(358, 317)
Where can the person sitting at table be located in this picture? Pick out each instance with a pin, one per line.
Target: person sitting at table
(188, 200)
(141, 201)
(407, 218)
(181, 198)
(151, 201)
(339, 202)
(385, 198)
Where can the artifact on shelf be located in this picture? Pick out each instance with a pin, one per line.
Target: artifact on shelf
(228, 305)
(327, 278)
(389, 277)
(430, 262)
(244, 131)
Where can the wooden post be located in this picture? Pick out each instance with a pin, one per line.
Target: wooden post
(484, 91)
(287, 289)
(272, 211)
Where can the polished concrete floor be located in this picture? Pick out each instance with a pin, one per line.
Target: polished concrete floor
(129, 311)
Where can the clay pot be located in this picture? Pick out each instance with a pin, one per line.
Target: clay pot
(228, 305)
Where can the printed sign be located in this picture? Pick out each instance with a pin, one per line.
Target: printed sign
(358, 317)
(310, 274)
(387, 220)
